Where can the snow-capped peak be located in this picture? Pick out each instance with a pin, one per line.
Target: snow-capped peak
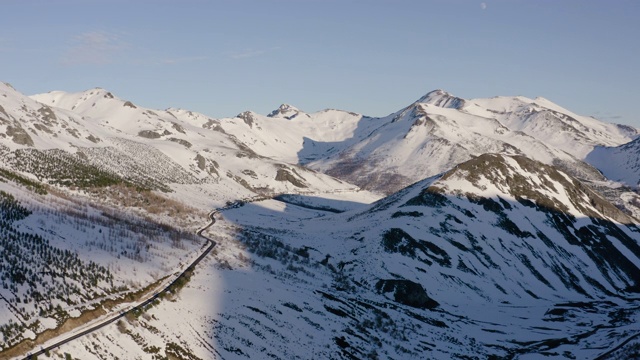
(442, 99)
(285, 111)
(79, 101)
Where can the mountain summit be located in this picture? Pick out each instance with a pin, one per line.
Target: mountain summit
(285, 111)
(442, 99)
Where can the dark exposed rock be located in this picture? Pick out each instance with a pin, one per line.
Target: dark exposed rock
(285, 175)
(250, 173)
(42, 127)
(19, 135)
(407, 292)
(396, 240)
(149, 134)
(431, 197)
(129, 104)
(202, 162)
(93, 139)
(182, 142)
(4, 117)
(47, 115)
(247, 117)
(178, 128)
(211, 168)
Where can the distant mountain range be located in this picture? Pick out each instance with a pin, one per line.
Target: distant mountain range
(367, 151)
(452, 228)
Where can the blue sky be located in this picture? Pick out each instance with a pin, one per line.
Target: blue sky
(372, 57)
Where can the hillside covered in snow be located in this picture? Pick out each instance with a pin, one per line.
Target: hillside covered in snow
(452, 228)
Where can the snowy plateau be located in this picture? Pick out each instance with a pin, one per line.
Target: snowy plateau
(500, 228)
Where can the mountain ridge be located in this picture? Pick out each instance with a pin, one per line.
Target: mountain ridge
(506, 233)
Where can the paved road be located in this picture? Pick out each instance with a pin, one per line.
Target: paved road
(140, 306)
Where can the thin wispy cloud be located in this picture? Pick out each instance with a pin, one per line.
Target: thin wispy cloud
(94, 48)
(251, 53)
(245, 54)
(182, 60)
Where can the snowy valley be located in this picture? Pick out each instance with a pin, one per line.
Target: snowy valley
(492, 228)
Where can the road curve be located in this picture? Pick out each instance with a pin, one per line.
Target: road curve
(142, 304)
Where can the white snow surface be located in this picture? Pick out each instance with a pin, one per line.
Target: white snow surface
(620, 163)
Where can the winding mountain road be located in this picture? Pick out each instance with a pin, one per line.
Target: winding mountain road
(141, 305)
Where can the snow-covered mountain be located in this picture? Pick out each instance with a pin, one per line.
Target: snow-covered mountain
(544, 233)
(385, 154)
(279, 135)
(155, 149)
(426, 138)
(501, 257)
(620, 163)
(439, 131)
(497, 236)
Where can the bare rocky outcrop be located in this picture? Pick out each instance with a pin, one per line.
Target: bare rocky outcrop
(285, 175)
(182, 142)
(19, 135)
(407, 292)
(149, 134)
(129, 104)
(93, 139)
(178, 127)
(247, 117)
(203, 162)
(47, 115)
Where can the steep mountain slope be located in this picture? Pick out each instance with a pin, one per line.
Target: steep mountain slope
(550, 230)
(405, 279)
(94, 138)
(620, 163)
(279, 135)
(500, 257)
(553, 124)
(27, 123)
(495, 239)
(440, 131)
(66, 259)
